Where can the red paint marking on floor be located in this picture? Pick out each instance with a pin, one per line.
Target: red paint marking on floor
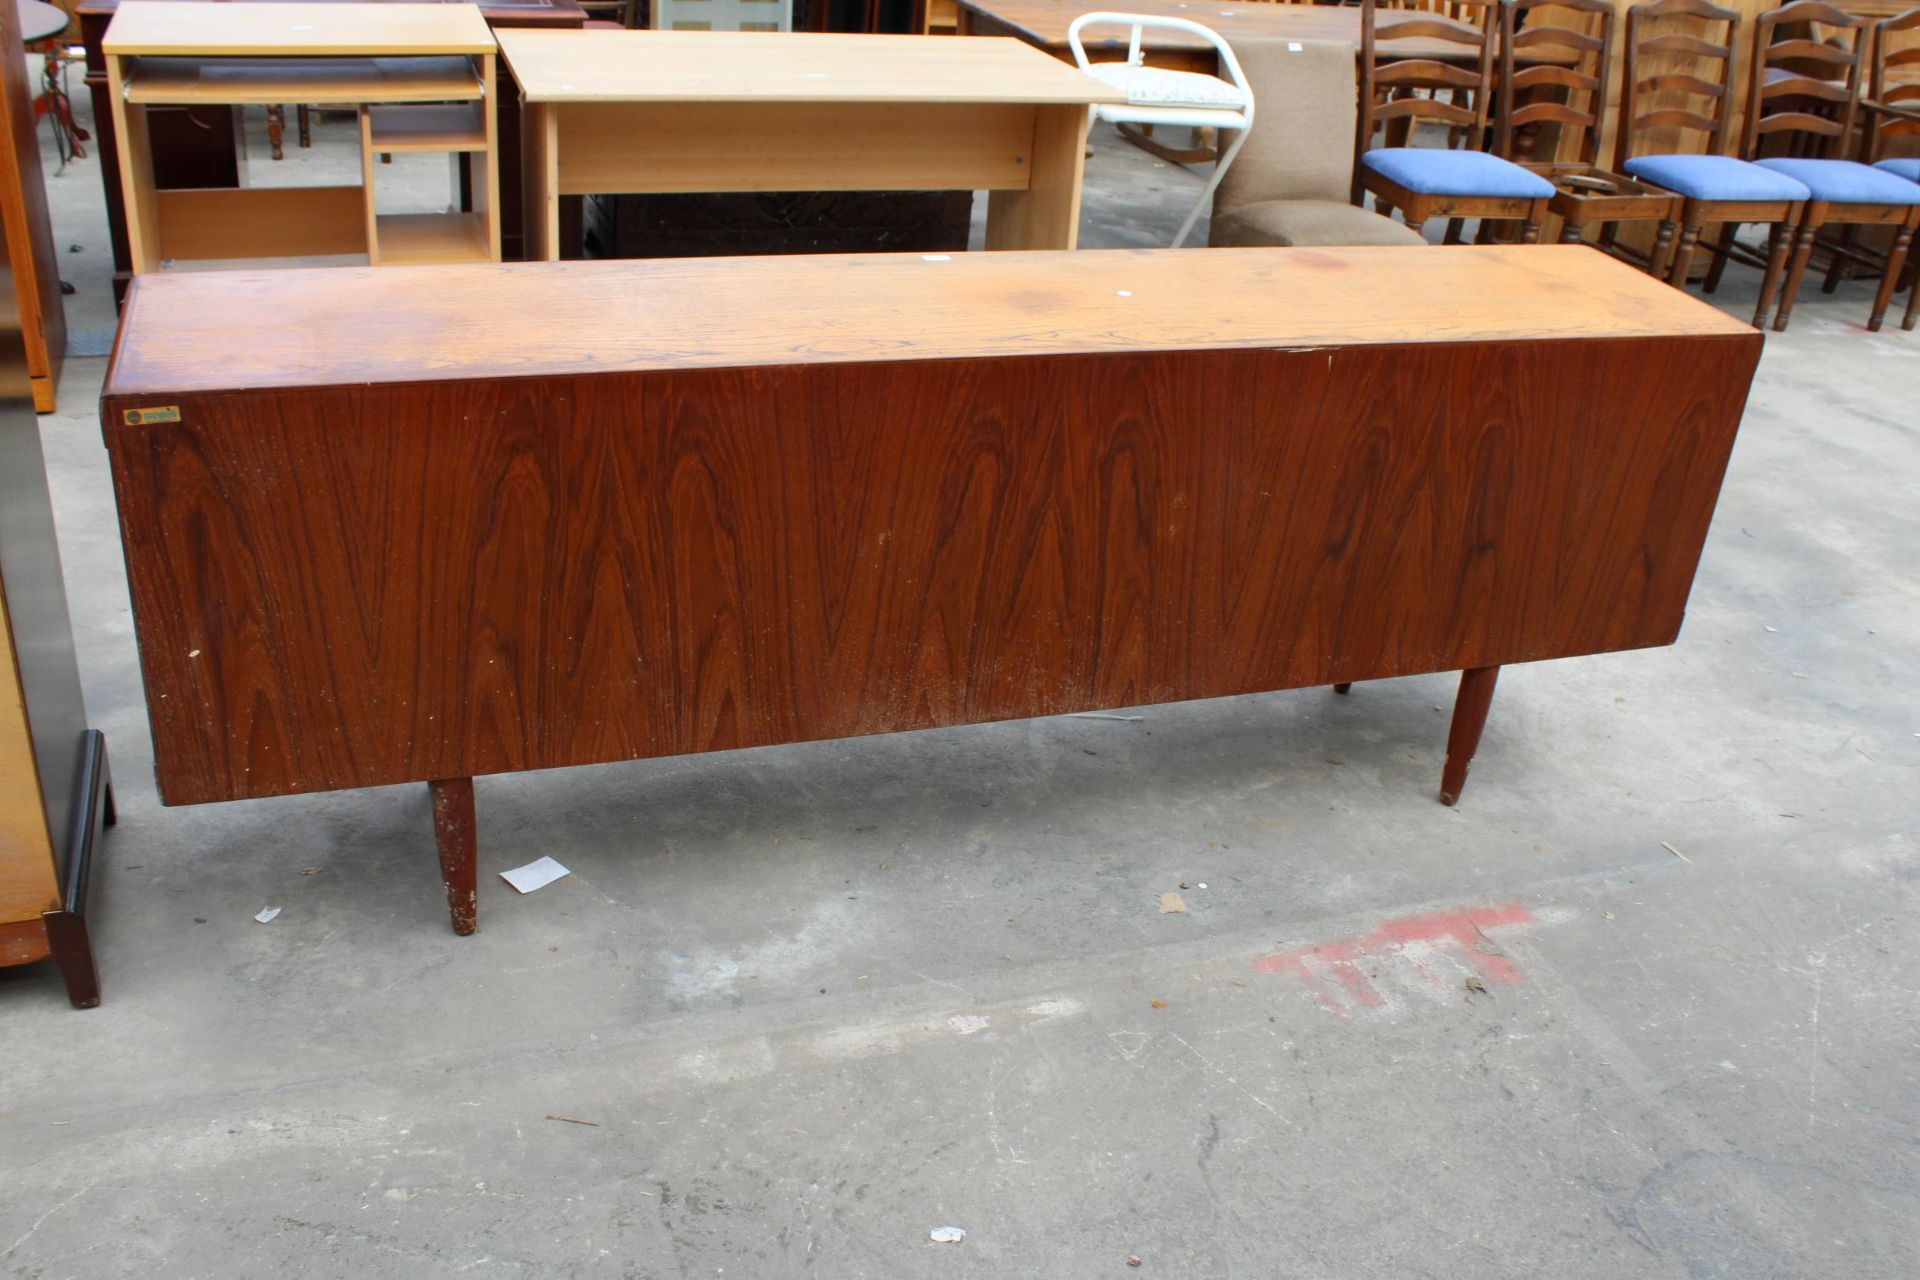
(1460, 933)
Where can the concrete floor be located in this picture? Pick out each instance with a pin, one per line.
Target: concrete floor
(814, 1001)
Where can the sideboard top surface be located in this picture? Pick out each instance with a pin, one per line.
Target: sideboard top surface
(321, 327)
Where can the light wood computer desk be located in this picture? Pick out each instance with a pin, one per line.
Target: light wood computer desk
(425, 546)
(676, 111)
(420, 75)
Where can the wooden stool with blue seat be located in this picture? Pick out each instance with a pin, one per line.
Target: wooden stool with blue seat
(1427, 182)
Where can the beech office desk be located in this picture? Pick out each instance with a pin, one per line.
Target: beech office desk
(375, 536)
(677, 111)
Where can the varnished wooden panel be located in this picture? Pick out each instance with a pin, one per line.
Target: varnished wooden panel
(770, 68)
(244, 222)
(279, 328)
(833, 146)
(42, 716)
(347, 586)
(167, 27)
(28, 880)
(25, 224)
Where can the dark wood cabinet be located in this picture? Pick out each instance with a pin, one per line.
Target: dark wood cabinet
(723, 503)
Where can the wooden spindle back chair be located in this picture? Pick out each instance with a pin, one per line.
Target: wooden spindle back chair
(1893, 84)
(1705, 102)
(1808, 60)
(1891, 112)
(1570, 58)
(1565, 83)
(1802, 84)
(1424, 182)
(1677, 85)
(1393, 87)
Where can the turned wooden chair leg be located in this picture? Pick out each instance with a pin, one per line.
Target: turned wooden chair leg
(1343, 688)
(1683, 255)
(1660, 261)
(1802, 252)
(1778, 237)
(1896, 262)
(456, 832)
(305, 115)
(1570, 234)
(276, 130)
(1536, 214)
(1718, 267)
(1913, 306)
(1463, 736)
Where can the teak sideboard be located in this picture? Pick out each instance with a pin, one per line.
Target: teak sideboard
(419, 546)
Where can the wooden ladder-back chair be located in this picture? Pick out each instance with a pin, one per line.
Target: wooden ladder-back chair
(1575, 60)
(1425, 182)
(1699, 101)
(1892, 107)
(1793, 79)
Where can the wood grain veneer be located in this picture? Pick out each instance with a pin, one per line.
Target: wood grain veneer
(388, 541)
(254, 329)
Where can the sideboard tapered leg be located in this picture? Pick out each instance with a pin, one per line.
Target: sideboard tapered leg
(455, 831)
(1469, 718)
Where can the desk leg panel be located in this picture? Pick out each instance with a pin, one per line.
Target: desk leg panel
(540, 182)
(1047, 214)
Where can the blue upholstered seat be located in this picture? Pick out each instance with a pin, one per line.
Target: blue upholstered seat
(1716, 178)
(1907, 167)
(1846, 181)
(1429, 171)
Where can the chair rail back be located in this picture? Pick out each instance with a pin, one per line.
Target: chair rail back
(1896, 45)
(1590, 48)
(1390, 83)
(1794, 87)
(1704, 101)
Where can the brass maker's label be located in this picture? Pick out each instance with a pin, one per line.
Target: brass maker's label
(148, 417)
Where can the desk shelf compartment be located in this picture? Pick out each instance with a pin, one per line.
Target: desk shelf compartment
(463, 132)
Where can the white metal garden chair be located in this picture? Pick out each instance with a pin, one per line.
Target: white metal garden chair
(1158, 96)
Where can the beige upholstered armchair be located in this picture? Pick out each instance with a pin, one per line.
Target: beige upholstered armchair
(1294, 178)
